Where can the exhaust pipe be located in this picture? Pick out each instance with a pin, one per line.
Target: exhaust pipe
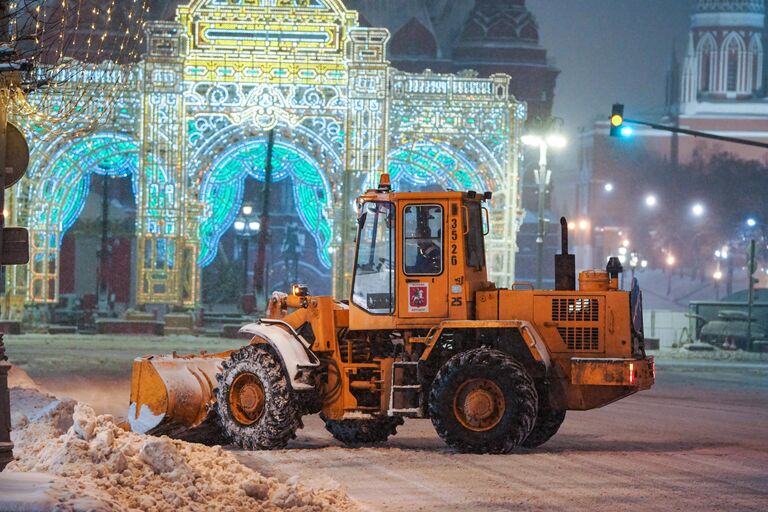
(565, 263)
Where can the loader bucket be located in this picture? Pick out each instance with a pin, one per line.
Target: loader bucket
(173, 395)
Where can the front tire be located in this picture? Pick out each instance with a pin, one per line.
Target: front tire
(256, 406)
(358, 432)
(483, 401)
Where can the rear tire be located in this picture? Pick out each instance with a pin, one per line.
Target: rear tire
(358, 432)
(269, 421)
(548, 422)
(483, 401)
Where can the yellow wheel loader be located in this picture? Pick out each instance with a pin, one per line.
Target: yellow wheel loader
(423, 335)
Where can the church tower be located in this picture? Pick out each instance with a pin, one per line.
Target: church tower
(724, 62)
(502, 36)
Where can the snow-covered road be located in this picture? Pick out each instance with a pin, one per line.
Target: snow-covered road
(697, 441)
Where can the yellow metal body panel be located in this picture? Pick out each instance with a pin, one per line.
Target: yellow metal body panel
(578, 326)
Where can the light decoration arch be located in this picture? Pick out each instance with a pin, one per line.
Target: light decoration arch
(199, 104)
(58, 200)
(222, 191)
(56, 192)
(427, 163)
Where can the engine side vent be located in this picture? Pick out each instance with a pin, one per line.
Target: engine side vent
(575, 310)
(578, 322)
(580, 339)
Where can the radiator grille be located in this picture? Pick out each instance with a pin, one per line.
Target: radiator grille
(575, 310)
(580, 338)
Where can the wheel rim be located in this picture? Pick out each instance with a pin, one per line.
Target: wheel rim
(246, 399)
(479, 404)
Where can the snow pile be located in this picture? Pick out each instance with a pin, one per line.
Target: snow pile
(18, 378)
(122, 470)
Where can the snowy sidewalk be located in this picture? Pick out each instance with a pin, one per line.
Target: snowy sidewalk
(37, 492)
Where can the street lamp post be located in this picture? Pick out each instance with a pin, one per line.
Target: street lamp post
(634, 262)
(246, 227)
(671, 260)
(717, 276)
(543, 179)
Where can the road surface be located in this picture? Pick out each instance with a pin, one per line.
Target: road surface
(697, 441)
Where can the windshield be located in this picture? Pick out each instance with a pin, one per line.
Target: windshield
(374, 286)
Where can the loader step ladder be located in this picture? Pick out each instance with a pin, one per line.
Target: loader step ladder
(404, 398)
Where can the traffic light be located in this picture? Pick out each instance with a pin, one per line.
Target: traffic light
(617, 120)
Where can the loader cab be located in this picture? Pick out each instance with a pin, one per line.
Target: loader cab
(420, 259)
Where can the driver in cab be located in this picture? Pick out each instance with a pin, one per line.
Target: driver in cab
(429, 253)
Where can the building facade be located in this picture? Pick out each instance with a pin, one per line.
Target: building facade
(720, 87)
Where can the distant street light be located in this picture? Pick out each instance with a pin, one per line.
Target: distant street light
(556, 140)
(670, 263)
(246, 226)
(717, 276)
(751, 222)
(651, 201)
(543, 177)
(697, 210)
(608, 187)
(634, 263)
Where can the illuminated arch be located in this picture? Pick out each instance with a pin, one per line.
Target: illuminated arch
(440, 163)
(58, 186)
(58, 199)
(222, 187)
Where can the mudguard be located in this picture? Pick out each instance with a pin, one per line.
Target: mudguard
(295, 354)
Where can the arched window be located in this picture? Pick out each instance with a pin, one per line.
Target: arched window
(756, 63)
(706, 64)
(732, 65)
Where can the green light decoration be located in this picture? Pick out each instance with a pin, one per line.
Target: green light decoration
(60, 200)
(190, 126)
(223, 188)
(428, 163)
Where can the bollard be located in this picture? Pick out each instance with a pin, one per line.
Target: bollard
(6, 446)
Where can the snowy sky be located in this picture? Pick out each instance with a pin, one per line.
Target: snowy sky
(608, 51)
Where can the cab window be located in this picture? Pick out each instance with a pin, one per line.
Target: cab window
(374, 281)
(423, 247)
(474, 237)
